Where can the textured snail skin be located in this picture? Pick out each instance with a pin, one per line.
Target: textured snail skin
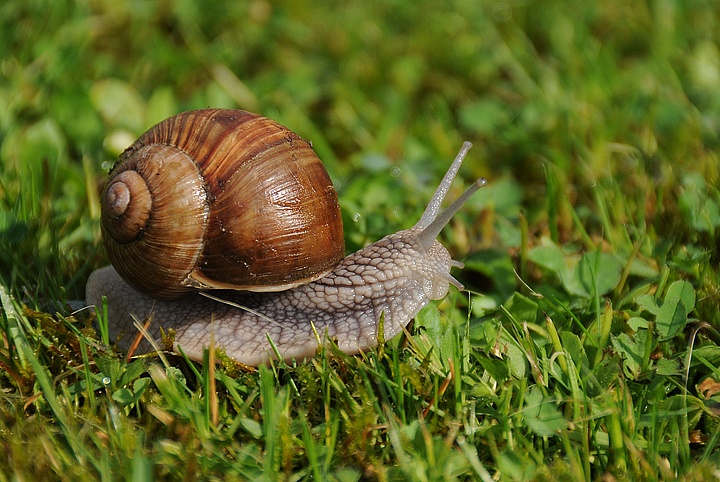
(394, 276)
(390, 280)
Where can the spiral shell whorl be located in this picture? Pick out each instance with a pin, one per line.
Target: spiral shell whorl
(126, 204)
(157, 240)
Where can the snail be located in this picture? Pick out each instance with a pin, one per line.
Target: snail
(241, 165)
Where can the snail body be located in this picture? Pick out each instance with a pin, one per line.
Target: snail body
(389, 280)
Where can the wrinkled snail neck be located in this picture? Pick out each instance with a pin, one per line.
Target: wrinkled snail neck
(431, 223)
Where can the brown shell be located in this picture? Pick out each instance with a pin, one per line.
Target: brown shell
(219, 198)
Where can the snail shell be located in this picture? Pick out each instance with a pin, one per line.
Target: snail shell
(219, 198)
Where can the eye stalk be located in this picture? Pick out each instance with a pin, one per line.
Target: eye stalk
(433, 221)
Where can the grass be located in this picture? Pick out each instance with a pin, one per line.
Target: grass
(588, 344)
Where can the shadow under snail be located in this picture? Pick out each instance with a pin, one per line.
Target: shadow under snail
(268, 224)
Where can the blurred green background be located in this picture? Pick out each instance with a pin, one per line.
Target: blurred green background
(566, 103)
